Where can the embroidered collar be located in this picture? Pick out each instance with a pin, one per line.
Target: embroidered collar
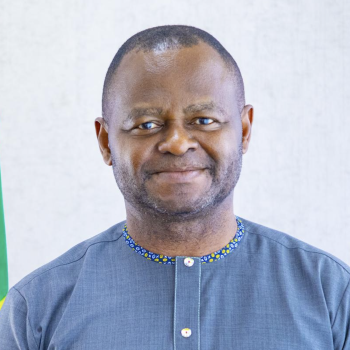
(169, 260)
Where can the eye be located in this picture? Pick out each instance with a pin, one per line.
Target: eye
(204, 121)
(147, 126)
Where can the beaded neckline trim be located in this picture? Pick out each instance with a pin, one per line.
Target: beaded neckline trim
(169, 260)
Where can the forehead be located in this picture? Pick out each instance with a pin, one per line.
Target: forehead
(173, 77)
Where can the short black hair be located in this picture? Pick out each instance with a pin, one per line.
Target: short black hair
(172, 37)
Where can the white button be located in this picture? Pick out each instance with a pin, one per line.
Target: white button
(188, 262)
(186, 332)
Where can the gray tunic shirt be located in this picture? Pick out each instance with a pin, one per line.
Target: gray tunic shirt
(272, 292)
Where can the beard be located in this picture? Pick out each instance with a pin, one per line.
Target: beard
(136, 194)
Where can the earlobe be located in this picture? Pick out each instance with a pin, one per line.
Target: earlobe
(107, 157)
(102, 138)
(247, 117)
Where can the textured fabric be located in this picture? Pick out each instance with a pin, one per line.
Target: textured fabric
(272, 292)
(170, 260)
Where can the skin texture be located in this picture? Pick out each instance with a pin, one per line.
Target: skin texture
(194, 123)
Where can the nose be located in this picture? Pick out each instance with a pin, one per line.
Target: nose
(177, 141)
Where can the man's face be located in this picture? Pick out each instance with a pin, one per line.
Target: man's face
(170, 111)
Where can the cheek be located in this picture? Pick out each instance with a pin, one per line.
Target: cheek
(221, 146)
(131, 154)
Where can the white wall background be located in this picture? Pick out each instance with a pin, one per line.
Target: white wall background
(294, 57)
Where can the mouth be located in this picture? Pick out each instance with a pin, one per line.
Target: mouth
(179, 175)
(179, 169)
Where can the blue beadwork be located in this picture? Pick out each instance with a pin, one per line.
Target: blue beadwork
(169, 260)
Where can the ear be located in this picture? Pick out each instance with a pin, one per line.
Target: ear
(102, 138)
(247, 117)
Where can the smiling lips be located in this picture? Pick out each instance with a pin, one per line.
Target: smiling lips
(179, 174)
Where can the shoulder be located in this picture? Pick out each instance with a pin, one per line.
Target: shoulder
(72, 260)
(303, 268)
(34, 306)
(287, 245)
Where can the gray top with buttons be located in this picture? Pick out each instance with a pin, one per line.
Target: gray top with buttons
(272, 292)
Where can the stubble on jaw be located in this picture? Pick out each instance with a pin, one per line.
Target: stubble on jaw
(138, 198)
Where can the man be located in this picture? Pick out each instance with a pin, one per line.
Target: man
(182, 272)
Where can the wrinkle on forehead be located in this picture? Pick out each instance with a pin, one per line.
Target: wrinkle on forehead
(193, 70)
(197, 62)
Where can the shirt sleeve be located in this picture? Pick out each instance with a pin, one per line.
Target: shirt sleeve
(341, 325)
(15, 330)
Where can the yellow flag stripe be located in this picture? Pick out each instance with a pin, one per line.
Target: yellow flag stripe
(1, 302)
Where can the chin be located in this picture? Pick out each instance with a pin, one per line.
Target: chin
(179, 207)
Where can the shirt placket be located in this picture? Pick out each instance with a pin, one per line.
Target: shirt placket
(187, 303)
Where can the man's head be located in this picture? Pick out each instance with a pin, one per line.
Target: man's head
(166, 38)
(173, 99)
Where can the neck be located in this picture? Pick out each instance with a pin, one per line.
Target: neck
(199, 235)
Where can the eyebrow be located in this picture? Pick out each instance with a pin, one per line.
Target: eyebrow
(206, 106)
(136, 113)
